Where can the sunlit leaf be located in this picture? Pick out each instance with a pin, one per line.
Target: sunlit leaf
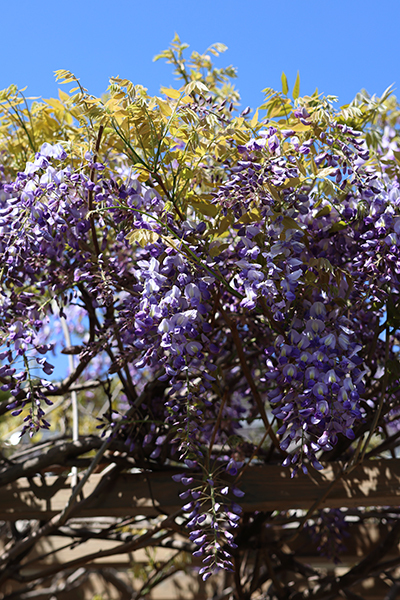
(254, 120)
(296, 88)
(142, 237)
(171, 93)
(285, 87)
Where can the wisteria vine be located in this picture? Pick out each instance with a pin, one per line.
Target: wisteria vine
(277, 304)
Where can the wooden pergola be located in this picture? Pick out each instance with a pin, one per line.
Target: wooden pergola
(36, 488)
(267, 488)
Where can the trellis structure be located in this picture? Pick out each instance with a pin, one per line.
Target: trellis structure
(36, 489)
(267, 488)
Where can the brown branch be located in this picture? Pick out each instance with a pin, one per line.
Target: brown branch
(253, 454)
(277, 584)
(124, 548)
(388, 444)
(155, 578)
(393, 592)
(160, 182)
(364, 567)
(378, 412)
(53, 456)
(79, 387)
(247, 373)
(350, 595)
(65, 385)
(218, 422)
(111, 576)
(238, 583)
(24, 545)
(130, 384)
(315, 506)
(60, 519)
(74, 581)
(124, 536)
(94, 324)
(90, 195)
(166, 576)
(329, 589)
(64, 388)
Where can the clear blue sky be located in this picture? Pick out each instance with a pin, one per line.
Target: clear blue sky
(338, 46)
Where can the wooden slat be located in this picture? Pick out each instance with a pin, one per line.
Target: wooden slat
(375, 483)
(361, 539)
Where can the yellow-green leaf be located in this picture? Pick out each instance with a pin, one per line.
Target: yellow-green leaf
(289, 223)
(285, 87)
(171, 242)
(314, 168)
(296, 89)
(205, 208)
(323, 212)
(250, 217)
(171, 93)
(299, 127)
(292, 182)
(142, 237)
(63, 95)
(338, 226)
(326, 172)
(216, 248)
(196, 87)
(224, 224)
(165, 108)
(273, 191)
(254, 120)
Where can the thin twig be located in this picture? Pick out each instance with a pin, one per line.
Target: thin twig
(217, 424)
(246, 466)
(140, 542)
(249, 378)
(90, 194)
(382, 398)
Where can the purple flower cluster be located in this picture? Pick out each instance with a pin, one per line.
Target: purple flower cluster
(317, 384)
(327, 530)
(266, 308)
(211, 516)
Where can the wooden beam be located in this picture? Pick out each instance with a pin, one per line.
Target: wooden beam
(375, 483)
(362, 538)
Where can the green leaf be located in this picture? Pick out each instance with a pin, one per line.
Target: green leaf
(224, 225)
(323, 212)
(205, 208)
(216, 248)
(289, 223)
(285, 87)
(296, 89)
(387, 93)
(292, 182)
(397, 156)
(338, 226)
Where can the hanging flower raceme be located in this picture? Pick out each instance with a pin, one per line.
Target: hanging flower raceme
(258, 308)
